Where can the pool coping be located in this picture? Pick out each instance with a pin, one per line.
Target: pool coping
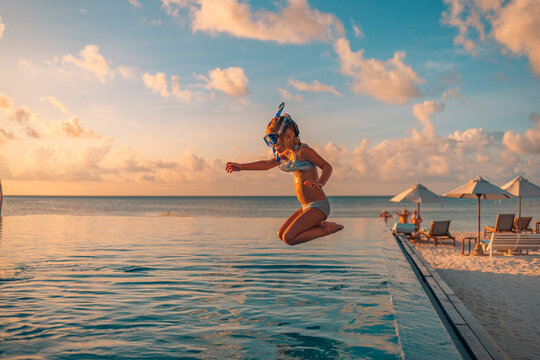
(466, 328)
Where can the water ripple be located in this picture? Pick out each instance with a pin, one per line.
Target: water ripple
(162, 287)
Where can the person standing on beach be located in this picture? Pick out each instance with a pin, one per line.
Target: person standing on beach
(308, 222)
(385, 215)
(403, 216)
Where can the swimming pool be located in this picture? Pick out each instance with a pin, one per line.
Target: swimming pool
(75, 287)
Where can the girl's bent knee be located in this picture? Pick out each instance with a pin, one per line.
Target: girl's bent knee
(288, 239)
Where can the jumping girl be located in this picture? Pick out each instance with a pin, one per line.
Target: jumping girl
(308, 222)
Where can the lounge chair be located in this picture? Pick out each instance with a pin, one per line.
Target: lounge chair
(504, 223)
(522, 224)
(403, 228)
(438, 231)
(511, 242)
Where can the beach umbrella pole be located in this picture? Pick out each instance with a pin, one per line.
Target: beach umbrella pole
(417, 226)
(478, 248)
(519, 202)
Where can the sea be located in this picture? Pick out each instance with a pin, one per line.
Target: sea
(463, 213)
(201, 278)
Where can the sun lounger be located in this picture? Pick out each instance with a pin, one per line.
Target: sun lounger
(522, 224)
(438, 231)
(403, 228)
(504, 223)
(511, 242)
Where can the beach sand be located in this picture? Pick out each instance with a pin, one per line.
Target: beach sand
(502, 292)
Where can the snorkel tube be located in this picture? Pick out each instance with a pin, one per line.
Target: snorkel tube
(278, 113)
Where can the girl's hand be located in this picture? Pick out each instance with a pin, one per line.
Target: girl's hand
(232, 167)
(313, 184)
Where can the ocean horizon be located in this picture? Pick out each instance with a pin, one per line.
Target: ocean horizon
(462, 212)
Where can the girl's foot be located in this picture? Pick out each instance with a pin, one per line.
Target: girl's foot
(331, 227)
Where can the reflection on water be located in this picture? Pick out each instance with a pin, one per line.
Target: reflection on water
(169, 287)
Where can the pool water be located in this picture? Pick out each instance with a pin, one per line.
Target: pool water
(74, 287)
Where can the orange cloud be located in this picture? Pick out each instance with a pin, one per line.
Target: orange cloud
(71, 128)
(181, 94)
(231, 81)
(135, 3)
(157, 83)
(35, 127)
(390, 81)
(91, 60)
(2, 28)
(297, 23)
(423, 113)
(22, 115)
(526, 143)
(517, 27)
(286, 95)
(56, 103)
(514, 24)
(315, 86)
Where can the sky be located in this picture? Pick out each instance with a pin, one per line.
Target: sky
(133, 97)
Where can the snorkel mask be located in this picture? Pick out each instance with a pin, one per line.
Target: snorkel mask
(271, 139)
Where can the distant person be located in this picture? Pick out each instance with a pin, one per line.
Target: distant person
(385, 215)
(308, 222)
(403, 216)
(416, 219)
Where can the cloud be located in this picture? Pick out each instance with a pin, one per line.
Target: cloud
(315, 86)
(296, 23)
(464, 15)
(102, 162)
(27, 66)
(526, 143)
(157, 83)
(357, 30)
(34, 127)
(172, 7)
(517, 27)
(2, 28)
(6, 103)
(126, 72)
(71, 128)
(184, 95)
(231, 81)
(22, 115)
(515, 24)
(286, 95)
(458, 156)
(6, 136)
(135, 3)
(91, 60)
(423, 113)
(62, 163)
(390, 81)
(56, 103)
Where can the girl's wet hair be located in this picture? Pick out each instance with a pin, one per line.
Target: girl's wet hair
(276, 122)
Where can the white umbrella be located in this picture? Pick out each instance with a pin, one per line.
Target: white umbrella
(417, 194)
(521, 187)
(479, 189)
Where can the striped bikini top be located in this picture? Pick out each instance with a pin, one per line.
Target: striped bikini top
(290, 166)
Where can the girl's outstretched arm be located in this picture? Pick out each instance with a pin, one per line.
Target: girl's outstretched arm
(326, 169)
(257, 165)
